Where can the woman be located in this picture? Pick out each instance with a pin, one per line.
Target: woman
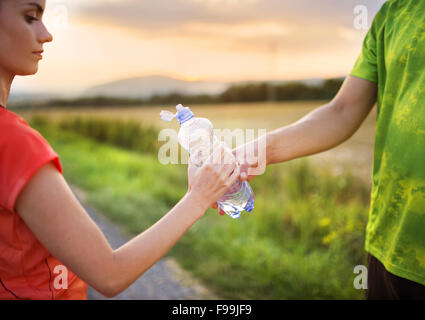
(44, 231)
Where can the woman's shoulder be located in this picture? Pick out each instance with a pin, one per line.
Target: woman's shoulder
(14, 128)
(23, 151)
(11, 120)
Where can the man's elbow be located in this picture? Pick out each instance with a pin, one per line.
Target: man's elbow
(338, 105)
(346, 119)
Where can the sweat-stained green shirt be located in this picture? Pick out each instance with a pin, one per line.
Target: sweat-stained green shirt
(393, 56)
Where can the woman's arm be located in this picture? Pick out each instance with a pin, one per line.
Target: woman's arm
(61, 224)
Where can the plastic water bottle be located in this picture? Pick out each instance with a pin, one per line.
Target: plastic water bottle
(196, 135)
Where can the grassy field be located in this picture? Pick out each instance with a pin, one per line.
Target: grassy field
(302, 241)
(356, 153)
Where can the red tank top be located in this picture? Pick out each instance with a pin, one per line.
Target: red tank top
(27, 269)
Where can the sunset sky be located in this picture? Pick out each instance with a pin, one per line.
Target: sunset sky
(97, 41)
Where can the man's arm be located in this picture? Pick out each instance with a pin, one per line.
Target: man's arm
(325, 127)
(320, 130)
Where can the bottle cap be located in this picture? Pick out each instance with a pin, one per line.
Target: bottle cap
(183, 114)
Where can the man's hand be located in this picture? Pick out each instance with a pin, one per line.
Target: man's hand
(252, 158)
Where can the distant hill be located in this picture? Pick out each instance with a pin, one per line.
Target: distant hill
(144, 87)
(157, 89)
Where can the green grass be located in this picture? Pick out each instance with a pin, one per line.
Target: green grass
(302, 241)
(128, 134)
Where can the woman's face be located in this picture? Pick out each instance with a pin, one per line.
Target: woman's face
(22, 35)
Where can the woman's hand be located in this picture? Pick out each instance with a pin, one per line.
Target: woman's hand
(210, 181)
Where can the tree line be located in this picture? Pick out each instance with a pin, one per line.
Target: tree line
(249, 92)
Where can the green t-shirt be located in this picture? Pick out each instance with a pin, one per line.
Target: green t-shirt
(393, 56)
